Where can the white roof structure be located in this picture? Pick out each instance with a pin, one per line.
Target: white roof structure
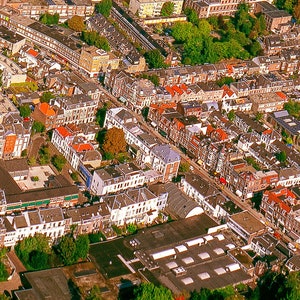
(187, 280)
(233, 267)
(171, 265)
(230, 246)
(181, 248)
(188, 260)
(219, 251)
(220, 237)
(220, 271)
(204, 276)
(163, 254)
(204, 255)
(198, 241)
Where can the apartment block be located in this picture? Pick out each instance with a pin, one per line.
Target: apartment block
(208, 8)
(151, 8)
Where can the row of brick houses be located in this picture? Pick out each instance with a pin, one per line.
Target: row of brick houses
(133, 206)
(75, 109)
(281, 207)
(65, 9)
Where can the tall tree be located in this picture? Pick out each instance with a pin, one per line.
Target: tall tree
(82, 246)
(58, 161)
(167, 9)
(25, 111)
(146, 291)
(297, 10)
(76, 23)
(67, 250)
(155, 59)
(104, 7)
(114, 141)
(46, 97)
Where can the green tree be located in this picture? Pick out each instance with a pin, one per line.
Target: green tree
(259, 116)
(104, 7)
(38, 260)
(101, 114)
(145, 112)
(44, 155)
(131, 228)
(167, 9)
(93, 38)
(82, 246)
(49, 19)
(184, 167)
(204, 27)
(58, 161)
(74, 176)
(76, 23)
(153, 78)
(191, 15)
(46, 97)
(114, 141)
(146, 291)
(224, 80)
(183, 31)
(3, 272)
(293, 108)
(4, 297)
(25, 111)
(255, 48)
(34, 251)
(67, 250)
(38, 127)
(231, 115)
(281, 156)
(155, 59)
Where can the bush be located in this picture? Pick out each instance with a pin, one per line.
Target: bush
(3, 272)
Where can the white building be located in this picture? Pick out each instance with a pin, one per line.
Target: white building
(288, 177)
(48, 221)
(115, 179)
(134, 206)
(151, 8)
(201, 191)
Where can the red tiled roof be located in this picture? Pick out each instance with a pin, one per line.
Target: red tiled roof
(170, 90)
(177, 89)
(281, 95)
(33, 52)
(63, 131)
(161, 107)
(222, 134)
(227, 91)
(82, 147)
(230, 69)
(46, 109)
(268, 131)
